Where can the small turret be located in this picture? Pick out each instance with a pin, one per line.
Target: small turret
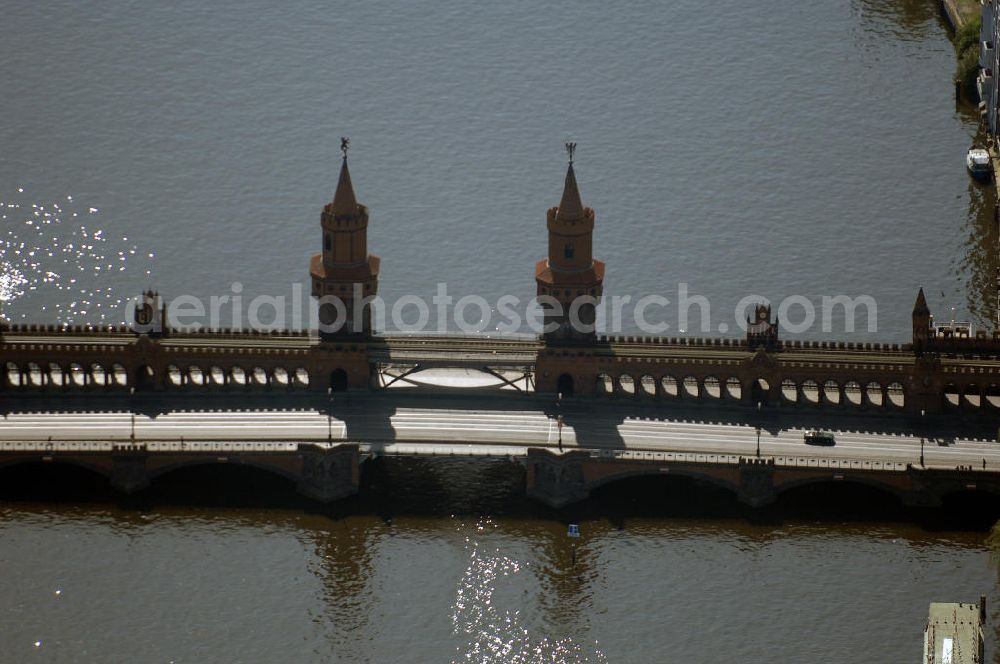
(921, 321)
(149, 315)
(761, 331)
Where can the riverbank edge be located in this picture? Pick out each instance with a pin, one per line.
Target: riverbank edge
(958, 12)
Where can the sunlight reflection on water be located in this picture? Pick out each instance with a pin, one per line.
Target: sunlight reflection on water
(495, 634)
(52, 248)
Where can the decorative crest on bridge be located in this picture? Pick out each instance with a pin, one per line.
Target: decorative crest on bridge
(570, 149)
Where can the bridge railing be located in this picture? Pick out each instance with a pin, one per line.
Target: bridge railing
(735, 342)
(56, 446)
(735, 459)
(75, 446)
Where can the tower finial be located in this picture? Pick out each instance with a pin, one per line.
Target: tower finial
(570, 149)
(345, 145)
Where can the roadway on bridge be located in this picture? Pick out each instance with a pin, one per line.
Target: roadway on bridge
(510, 424)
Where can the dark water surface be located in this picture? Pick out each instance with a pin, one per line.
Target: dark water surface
(799, 148)
(781, 148)
(445, 561)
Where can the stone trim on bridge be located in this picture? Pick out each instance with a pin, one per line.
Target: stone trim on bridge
(558, 480)
(321, 472)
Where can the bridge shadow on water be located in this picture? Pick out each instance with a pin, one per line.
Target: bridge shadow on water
(493, 487)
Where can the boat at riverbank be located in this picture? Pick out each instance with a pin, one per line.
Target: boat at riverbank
(977, 160)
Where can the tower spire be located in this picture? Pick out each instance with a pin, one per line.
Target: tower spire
(345, 204)
(571, 206)
(920, 306)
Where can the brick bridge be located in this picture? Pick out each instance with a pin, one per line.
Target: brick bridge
(793, 374)
(941, 368)
(323, 473)
(561, 479)
(326, 473)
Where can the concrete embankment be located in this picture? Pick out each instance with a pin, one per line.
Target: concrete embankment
(959, 12)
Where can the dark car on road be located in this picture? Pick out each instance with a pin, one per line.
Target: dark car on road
(817, 437)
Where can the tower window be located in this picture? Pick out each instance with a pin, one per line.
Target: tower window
(326, 242)
(568, 250)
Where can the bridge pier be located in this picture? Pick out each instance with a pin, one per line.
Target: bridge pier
(328, 473)
(556, 479)
(128, 468)
(756, 487)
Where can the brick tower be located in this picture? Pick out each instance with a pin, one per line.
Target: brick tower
(570, 270)
(345, 270)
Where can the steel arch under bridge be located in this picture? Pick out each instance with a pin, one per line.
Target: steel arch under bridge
(511, 361)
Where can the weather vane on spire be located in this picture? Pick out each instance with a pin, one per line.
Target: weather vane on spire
(570, 149)
(345, 145)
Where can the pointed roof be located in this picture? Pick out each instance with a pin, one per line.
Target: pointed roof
(344, 202)
(920, 306)
(570, 207)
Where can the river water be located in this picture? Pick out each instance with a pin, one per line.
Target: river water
(808, 148)
(444, 561)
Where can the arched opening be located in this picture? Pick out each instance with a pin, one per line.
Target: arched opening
(196, 376)
(35, 378)
(734, 388)
(992, 396)
(810, 391)
(239, 376)
(691, 387)
(97, 375)
(223, 484)
(76, 375)
(839, 500)
(13, 375)
(789, 391)
(951, 395)
(712, 388)
(831, 392)
(970, 396)
(55, 374)
(852, 393)
(142, 377)
(648, 384)
(301, 377)
(761, 390)
(604, 384)
(897, 395)
(217, 376)
(259, 376)
(564, 385)
(119, 375)
(338, 380)
(970, 509)
(174, 376)
(873, 392)
(627, 384)
(663, 495)
(669, 387)
(38, 481)
(281, 377)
